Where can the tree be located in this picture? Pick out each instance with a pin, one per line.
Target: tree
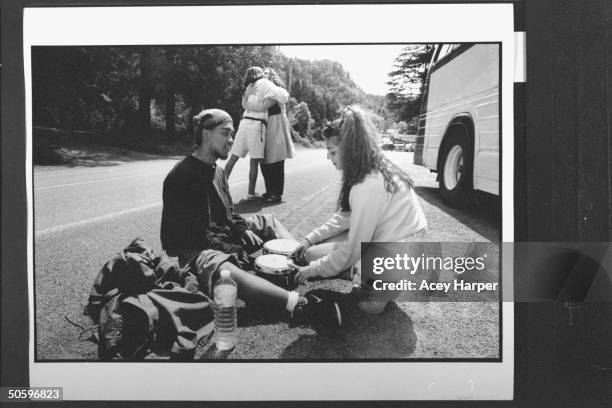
(401, 127)
(84, 88)
(144, 90)
(120, 88)
(170, 111)
(407, 80)
(169, 72)
(300, 118)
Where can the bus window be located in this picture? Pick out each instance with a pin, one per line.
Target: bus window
(445, 50)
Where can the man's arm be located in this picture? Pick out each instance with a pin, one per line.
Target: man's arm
(239, 224)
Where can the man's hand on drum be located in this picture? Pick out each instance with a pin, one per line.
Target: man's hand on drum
(300, 251)
(250, 238)
(303, 273)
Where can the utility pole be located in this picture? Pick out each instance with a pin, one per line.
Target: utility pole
(290, 73)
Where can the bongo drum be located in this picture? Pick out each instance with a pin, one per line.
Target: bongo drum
(280, 247)
(276, 269)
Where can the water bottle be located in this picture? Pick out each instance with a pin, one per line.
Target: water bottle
(225, 292)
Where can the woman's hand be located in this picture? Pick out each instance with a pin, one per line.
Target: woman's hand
(300, 251)
(303, 273)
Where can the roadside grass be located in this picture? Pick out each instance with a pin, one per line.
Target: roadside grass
(56, 147)
(90, 154)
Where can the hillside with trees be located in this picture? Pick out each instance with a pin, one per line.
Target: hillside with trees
(135, 95)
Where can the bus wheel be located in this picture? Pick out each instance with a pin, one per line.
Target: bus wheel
(457, 169)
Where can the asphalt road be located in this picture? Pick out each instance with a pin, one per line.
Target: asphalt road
(84, 215)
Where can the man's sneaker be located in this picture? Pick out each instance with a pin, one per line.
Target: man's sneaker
(274, 199)
(317, 310)
(373, 301)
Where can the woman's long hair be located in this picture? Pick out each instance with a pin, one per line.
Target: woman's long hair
(275, 78)
(252, 74)
(361, 155)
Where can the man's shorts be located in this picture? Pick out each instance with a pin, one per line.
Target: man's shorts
(250, 138)
(208, 261)
(206, 266)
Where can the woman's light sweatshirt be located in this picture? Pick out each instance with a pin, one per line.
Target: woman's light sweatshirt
(376, 216)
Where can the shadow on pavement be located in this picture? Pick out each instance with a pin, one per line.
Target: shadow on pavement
(254, 314)
(483, 207)
(245, 206)
(252, 206)
(389, 335)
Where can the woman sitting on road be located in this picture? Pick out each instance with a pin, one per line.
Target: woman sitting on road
(377, 203)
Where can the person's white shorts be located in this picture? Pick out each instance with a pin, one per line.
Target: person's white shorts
(250, 138)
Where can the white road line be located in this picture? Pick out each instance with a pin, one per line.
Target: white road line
(114, 214)
(104, 217)
(121, 178)
(98, 181)
(308, 199)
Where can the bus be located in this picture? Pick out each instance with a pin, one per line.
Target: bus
(459, 121)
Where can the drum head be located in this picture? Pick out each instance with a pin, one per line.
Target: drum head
(281, 246)
(272, 264)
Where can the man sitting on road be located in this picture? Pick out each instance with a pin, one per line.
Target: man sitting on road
(200, 227)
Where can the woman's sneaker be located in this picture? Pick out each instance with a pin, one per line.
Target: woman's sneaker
(253, 197)
(318, 310)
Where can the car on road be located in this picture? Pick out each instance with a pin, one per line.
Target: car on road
(387, 144)
(399, 145)
(403, 143)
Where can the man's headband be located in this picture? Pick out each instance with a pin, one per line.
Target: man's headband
(211, 118)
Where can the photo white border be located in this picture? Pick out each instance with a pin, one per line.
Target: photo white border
(415, 23)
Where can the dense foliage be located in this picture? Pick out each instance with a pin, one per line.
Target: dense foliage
(407, 81)
(139, 88)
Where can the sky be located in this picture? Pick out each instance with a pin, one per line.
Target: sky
(368, 65)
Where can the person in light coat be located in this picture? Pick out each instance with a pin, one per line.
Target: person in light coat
(279, 145)
(252, 131)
